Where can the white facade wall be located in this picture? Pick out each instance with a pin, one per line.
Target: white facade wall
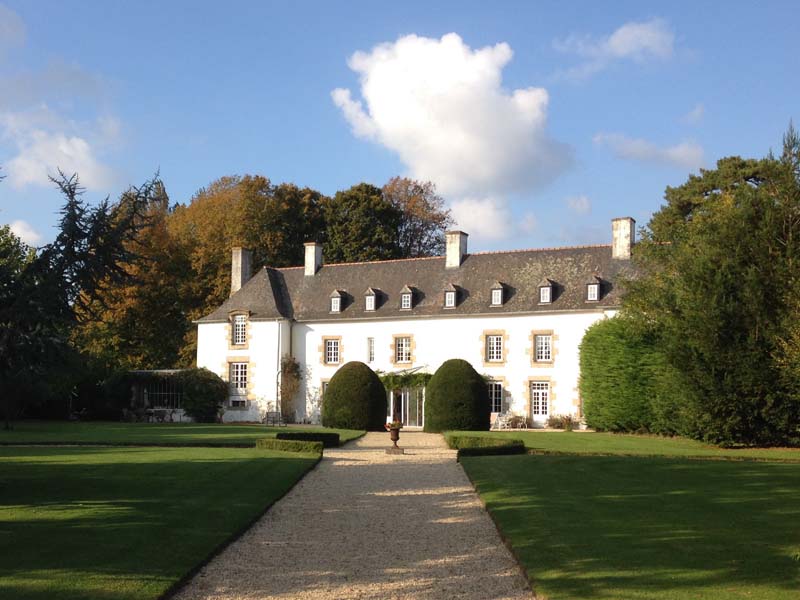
(266, 342)
(436, 340)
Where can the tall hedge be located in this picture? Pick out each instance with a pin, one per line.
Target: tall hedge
(456, 397)
(625, 382)
(355, 399)
(204, 393)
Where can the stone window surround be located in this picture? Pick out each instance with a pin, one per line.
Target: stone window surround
(229, 330)
(251, 366)
(506, 391)
(322, 352)
(393, 348)
(485, 349)
(550, 397)
(531, 350)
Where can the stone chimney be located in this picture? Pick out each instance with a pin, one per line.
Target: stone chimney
(623, 234)
(456, 248)
(313, 258)
(241, 267)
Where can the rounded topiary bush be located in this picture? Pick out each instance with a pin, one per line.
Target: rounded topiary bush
(355, 399)
(204, 393)
(456, 397)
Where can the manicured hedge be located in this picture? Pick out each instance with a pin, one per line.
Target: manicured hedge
(485, 446)
(456, 398)
(289, 445)
(355, 399)
(329, 440)
(204, 393)
(625, 381)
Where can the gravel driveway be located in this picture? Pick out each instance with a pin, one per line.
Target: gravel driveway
(365, 524)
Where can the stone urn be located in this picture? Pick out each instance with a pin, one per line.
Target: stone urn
(394, 435)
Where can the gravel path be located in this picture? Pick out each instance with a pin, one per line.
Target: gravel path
(365, 524)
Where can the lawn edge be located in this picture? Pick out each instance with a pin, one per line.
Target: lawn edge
(502, 535)
(723, 458)
(184, 579)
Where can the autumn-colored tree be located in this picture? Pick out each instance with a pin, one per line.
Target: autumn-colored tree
(424, 216)
(140, 324)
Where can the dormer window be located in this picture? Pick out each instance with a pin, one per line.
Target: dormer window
(545, 292)
(369, 299)
(497, 294)
(593, 288)
(406, 298)
(336, 302)
(450, 296)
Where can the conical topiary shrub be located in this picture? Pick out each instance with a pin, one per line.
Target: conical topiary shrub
(456, 397)
(355, 399)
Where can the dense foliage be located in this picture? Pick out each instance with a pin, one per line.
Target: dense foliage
(484, 446)
(328, 439)
(204, 393)
(720, 278)
(624, 380)
(456, 397)
(355, 399)
(46, 292)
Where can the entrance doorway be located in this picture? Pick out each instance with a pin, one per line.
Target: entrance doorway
(408, 406)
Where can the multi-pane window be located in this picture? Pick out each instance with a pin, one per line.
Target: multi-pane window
(545, 294)
(405, 301)
(540, 398)
(331, 352)
(336, 305)
(592, 292)
(494, 348)
(239, 330)
(370, 349)
(497, 297)
(402, 350)
(496, 396)
(323, 388)
(449, 299)
(238, 384)
(370, 304)
(543, 348)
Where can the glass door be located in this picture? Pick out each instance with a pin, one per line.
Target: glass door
(413, 406)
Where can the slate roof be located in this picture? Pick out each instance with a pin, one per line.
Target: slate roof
(288, 293)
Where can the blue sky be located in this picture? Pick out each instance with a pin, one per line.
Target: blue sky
(538, 122)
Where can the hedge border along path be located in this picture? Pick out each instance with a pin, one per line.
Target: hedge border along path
(365, 524)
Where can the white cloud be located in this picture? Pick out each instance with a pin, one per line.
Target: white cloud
(12, 29)
(441, 107)
(529, 223)
(634, 41)
(694, 116)
(26, 232)
(685, 155)
(488, 218)
(42, 153)
(579, 205)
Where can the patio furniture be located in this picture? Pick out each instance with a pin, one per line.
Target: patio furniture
(274, 418)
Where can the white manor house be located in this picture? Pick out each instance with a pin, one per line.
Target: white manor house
(517, 316)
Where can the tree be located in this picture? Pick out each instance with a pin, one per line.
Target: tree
(424, 218)
(140, 323)
(456, 397)
(360, 225)
(355, 399)
(720, 264)
(45, 297)
(246, 211)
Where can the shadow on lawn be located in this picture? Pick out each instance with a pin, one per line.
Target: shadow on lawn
(622, 527)
(114, 524)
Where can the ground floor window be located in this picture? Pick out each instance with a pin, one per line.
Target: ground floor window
(540, 398)
(238, 384)
(496, 396)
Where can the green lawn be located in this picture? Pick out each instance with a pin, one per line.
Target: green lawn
(114, 523)
(633, 445)
(647, 527)
(149, 433)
